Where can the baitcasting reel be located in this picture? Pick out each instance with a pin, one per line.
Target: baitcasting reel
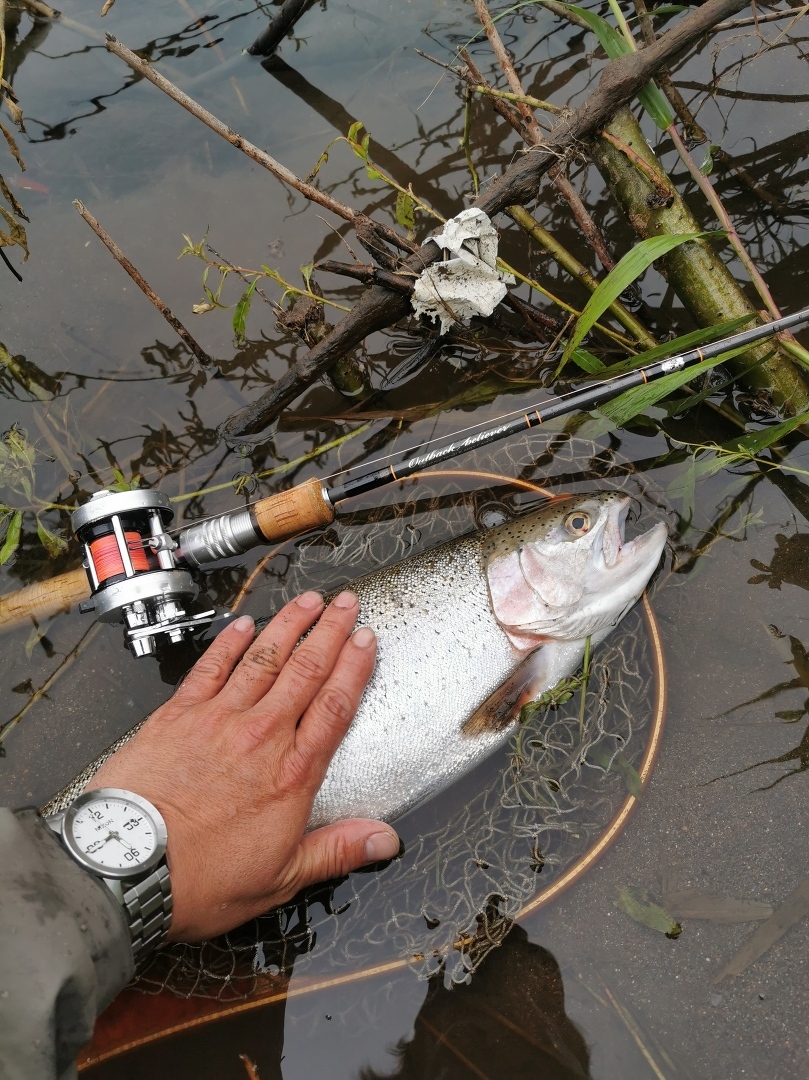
(134, 575)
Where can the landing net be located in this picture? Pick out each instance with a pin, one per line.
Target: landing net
(475, 854)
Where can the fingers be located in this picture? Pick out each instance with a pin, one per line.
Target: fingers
(329, 717)
(336, 850)
(303, 674)
(273, 647)
(210, 673)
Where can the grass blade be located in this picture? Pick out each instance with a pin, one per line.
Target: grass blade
(679, 345)
(631, 266)
(629, 404)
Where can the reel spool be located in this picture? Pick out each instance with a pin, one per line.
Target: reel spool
(132, 569)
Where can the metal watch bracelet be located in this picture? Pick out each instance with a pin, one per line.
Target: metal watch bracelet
(148, 907)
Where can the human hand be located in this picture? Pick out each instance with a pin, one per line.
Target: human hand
(234, 759)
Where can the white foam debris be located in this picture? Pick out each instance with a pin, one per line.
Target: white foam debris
(467, 284)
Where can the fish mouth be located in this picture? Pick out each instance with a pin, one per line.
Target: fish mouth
(615, 549)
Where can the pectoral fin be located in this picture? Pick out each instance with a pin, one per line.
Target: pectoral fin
(537, 673)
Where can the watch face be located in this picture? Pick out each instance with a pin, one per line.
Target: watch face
(114, 833)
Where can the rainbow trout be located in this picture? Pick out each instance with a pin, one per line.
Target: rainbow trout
(467, 633)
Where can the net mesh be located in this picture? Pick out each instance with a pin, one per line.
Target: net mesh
(476, 854)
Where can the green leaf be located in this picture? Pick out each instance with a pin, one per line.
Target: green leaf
(12, 538)
(121, 483)
(636, 904)
(306, 274)
(405, 211)
(587, 362)
(373, 174)
(757, 441)
(241, 310)
(706, 168)
(359, 148)
(36, 635)
(656, 104)
(54, 545)
(631, 266)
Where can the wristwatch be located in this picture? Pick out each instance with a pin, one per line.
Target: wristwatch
(121, 838)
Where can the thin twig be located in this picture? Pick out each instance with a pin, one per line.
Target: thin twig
(658, 182)
(520, 99)
(467, 131)
(368, 274)
(763, 290)
(582, 216)
(143, 285)
(578, 271)
(145, 69)
(84, 641)
(754, 20)
(507, 67)
(557, 176)
(473, 77)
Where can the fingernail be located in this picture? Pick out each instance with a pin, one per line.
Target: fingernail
(364, 637)
(345, 599)
(382, 845)
(244, 624)
(309, 600)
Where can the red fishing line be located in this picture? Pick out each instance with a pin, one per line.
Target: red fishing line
(107, 558)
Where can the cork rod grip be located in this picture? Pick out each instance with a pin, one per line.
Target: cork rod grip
(291, 513)
(44, 599)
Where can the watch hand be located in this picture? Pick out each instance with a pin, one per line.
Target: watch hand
(117, 837)
(99, 843)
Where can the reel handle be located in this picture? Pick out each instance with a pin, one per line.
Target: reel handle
(293, 512)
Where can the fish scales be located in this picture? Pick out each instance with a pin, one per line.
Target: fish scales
(441, 654)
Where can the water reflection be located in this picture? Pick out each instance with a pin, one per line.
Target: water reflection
(799, 660)
(789, 563)
(509, 1020)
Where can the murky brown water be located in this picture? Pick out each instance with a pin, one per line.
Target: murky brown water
(578, 989)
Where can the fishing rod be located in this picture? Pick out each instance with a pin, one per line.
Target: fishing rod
(136, 573)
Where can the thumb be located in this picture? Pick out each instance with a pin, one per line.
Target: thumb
(335, 850)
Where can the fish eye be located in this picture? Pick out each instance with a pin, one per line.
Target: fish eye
(577, 523)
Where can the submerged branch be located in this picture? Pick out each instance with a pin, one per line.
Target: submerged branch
(143, 285)
(279, 26)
